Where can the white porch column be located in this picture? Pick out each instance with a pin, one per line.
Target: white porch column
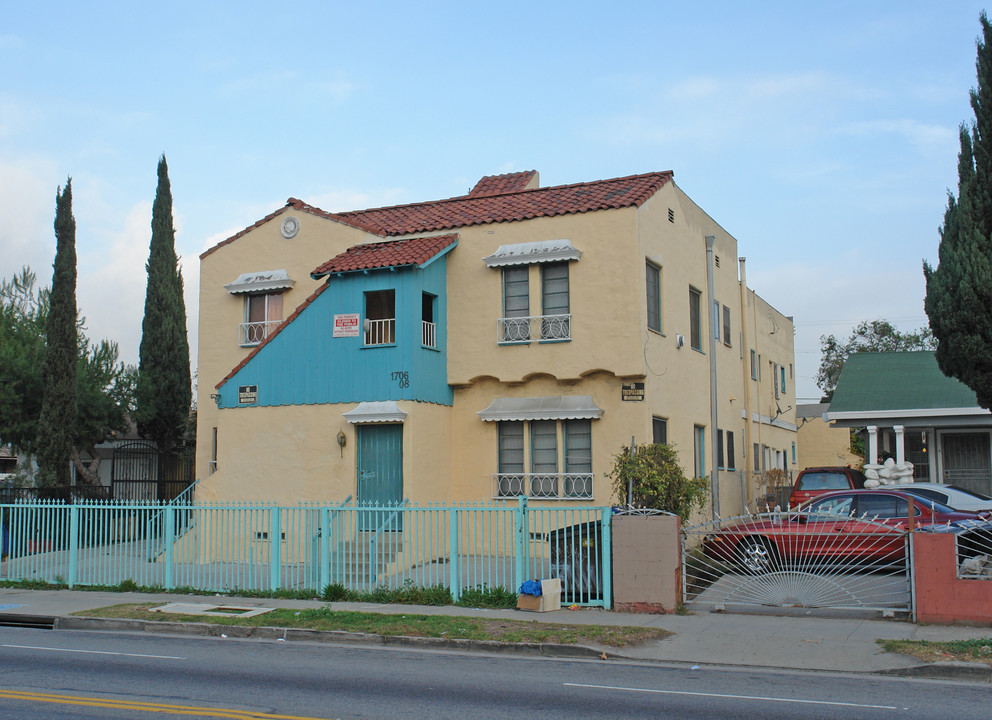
(900, 444)
(873, 445)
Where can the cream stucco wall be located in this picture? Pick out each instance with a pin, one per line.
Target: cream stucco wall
(821, 445)
(290, 454)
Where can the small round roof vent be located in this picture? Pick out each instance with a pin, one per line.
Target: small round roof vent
(290, 226)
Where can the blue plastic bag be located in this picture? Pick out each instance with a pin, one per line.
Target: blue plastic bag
(531, 587)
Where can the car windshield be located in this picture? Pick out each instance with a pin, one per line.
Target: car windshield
(970, 492)
(824, 481)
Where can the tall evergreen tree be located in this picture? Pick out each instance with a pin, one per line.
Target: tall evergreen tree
(58, 407)
(164, 390)
(959, 290)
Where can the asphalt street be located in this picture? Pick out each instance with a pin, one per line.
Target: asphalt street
(109, 674)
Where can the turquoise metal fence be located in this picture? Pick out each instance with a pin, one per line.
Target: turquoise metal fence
(225, 547)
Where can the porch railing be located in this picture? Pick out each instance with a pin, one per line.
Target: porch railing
(543, 328)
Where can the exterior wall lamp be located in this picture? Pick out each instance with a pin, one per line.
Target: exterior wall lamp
(342, 441)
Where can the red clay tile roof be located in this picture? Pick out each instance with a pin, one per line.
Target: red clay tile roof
(480, 209)
(499, 184)
(293, 204)
(394, 253)
(509, 207)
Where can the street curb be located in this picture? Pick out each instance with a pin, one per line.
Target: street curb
(964, 671)
(327, 636)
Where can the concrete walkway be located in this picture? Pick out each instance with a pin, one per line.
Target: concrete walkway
(801, 642)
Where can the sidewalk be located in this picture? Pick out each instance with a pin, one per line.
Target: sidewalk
(748, 640)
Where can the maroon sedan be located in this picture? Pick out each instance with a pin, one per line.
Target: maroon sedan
(852, 527)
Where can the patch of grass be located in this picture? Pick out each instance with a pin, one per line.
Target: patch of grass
(434, 626)
(976, 650)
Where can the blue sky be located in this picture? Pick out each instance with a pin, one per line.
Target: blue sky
(823, 136)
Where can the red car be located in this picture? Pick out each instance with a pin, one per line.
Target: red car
(815, 481)
(853, 527)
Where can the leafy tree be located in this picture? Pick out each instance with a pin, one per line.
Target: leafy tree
(657, 481)
(164, 390)
(23, 315)
(104, 386)
(867, 336)
(959, 290)
(58, 406)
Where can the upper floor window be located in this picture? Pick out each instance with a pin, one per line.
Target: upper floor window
(516, 304)
(262, 310)
(517, 325)
(429, 327)
(380, 317)
(695, 320)
(554, 301)
(653, 282)
(726, 325)
(262, 315)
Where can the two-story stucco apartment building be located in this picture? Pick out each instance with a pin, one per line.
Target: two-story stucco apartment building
(509, 341)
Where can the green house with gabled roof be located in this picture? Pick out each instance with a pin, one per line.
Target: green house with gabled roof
(912, 411)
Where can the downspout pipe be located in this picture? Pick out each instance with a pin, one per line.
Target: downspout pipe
(714, 472)
(746, 378)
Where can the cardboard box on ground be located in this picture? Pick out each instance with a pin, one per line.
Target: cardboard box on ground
(550, 598)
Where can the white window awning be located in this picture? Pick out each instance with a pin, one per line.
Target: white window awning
(533, 252)
(572, 407)
(372, 412)
(257, 282)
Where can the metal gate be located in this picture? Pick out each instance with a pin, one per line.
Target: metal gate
(797, 559)
(140, 473)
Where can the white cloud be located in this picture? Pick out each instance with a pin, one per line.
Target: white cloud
(111, 283)
(27, 207)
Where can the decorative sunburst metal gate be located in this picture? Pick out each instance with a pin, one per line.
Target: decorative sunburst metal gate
(797, 560)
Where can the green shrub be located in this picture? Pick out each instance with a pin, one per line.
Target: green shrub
(657, 481)
(483, 596)
(336, 592)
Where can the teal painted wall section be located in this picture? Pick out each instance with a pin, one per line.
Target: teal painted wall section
(305, 365)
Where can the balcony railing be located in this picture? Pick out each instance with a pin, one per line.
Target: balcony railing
(380, 332)
(535, 327)
(429, 335)
(544, 486)
(252, 333)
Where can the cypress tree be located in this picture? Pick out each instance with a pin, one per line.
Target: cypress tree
(164, 390)
(959, 290)
(58, 406)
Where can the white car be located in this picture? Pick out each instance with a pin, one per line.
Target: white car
(949, 495)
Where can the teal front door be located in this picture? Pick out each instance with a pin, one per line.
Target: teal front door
(380, 475)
